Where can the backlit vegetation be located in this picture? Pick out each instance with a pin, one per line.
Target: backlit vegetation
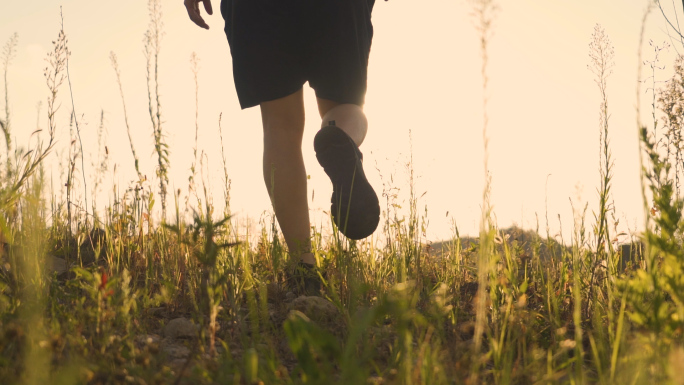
(105, 293)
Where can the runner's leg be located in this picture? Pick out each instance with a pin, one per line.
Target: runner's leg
(349, 117)
(354, 204)
(284, 172)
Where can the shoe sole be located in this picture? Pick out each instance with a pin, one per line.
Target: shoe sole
(354, 205)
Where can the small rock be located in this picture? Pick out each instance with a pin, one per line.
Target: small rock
(274, 315)
(178, 363)
(274, 293)
(316, 308)
(180, 328)
(174, 350)
(284, 350)
(290, 296)
(55, 264)
(147, 339)
(322, 312)
(155, 311)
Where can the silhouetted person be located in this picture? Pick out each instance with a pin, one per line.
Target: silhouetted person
(277, 46)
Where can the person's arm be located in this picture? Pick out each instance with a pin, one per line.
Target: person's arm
(194, 11)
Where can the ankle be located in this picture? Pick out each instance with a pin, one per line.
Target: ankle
(308, 258)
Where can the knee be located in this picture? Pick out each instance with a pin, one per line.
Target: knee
(283, 118)
(284, 129)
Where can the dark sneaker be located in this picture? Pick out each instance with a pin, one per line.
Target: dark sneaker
(305, 280)
(354, 205)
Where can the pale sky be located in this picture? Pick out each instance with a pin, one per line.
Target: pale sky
(424, 76)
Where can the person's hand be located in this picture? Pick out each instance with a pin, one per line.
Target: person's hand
(194, 12)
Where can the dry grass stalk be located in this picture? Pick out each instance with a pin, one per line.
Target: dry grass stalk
(115, 66)
(153, 37)
(9, 51)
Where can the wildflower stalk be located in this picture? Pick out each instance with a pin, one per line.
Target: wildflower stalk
(601, 54)
(640, 128)
(78, 131)
(115, 65)
(71, 167)
(226, 180)
(671, 103)
(194, 67)
(412, 247)
(152, 40)
(102, 162)
(8, 53)
(32, 160)
(484, 10)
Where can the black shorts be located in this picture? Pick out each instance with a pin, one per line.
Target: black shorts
(278, 45)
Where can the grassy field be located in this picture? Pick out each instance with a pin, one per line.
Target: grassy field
(113, 296)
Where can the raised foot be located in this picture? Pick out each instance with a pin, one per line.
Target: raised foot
(354, 206)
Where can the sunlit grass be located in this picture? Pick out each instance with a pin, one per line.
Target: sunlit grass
(93, 297)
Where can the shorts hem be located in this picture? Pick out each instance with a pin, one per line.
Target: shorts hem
(359, 101)
(244, 104)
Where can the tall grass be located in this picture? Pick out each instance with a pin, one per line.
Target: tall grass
(484, 10)
(8, 54)
(136, 161)
(507, 307)
(194, 67)
(74, 118)
(152, 40)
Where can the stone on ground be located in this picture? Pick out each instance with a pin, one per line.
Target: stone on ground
(320, 311)
(180, 328)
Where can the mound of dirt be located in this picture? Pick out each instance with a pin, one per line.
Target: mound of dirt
(524, 244)
(321, 312)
